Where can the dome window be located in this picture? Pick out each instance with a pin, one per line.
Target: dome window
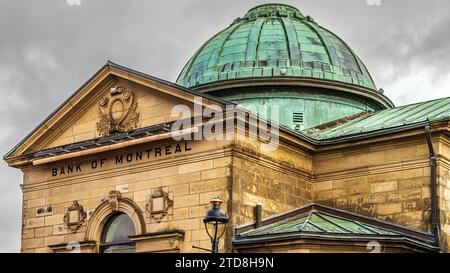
(346, 71)
(249, 64)
(308, 65)
(227, 67)
(318, 66)
(262, 63)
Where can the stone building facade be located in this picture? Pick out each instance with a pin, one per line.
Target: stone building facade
(109, 156)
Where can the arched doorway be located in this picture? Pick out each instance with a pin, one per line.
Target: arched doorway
(114, 238)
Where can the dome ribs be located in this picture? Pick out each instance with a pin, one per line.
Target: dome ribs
(292, 40)
(253, 41)
(214, 59)
(275, 41)
(331, 53)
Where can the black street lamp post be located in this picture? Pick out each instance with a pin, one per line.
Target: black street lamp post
(215, 223)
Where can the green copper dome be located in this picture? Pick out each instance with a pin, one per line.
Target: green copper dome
(276, 58)
(275, 40)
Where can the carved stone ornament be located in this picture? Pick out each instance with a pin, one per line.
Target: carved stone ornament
(117, 112)
(114, 197)
(158, 204)
(75, 216)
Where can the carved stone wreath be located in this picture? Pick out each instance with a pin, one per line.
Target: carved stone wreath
(158, 204)
(117, 112)
(75, 216)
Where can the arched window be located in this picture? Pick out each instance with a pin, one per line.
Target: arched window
(115, 235)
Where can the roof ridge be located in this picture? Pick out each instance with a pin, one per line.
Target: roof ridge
(415, 103)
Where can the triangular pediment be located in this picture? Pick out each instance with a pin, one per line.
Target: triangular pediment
(115, 100)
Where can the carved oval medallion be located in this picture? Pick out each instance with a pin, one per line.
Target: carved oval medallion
(117, 110)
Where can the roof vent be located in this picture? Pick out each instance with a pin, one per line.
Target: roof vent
(297, 117)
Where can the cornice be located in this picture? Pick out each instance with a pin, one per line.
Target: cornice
(130, 169)
(268, 162)
(375, 96)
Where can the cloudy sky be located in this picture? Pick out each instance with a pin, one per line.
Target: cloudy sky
(49, 48)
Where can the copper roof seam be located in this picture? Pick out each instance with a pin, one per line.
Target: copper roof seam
(252, 43)
(364, 227)
(286, 37)
(351, 52)
(313, 224)
(334, 61)
(212, 62)
(336, 224)
(264, 21)
(306, 221)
